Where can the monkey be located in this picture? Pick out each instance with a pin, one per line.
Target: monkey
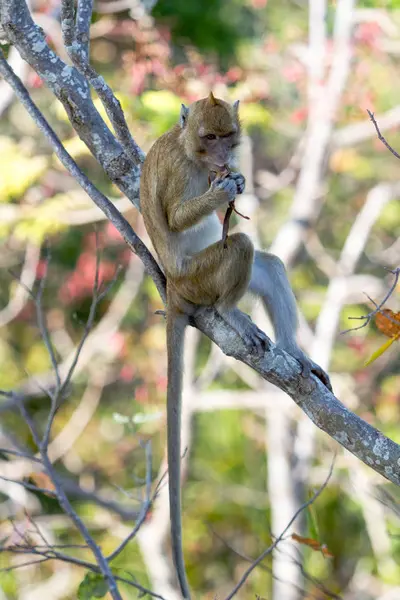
(179, 205)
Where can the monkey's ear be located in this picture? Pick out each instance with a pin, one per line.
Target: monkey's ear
(236, 106)
(183, 116)
(212, 100)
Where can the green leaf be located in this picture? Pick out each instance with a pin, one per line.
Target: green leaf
(380, 351)
(312, 522)
(92, 586)
(18, 171)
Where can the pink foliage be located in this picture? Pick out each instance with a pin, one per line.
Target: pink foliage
(299, 115)
(127, 373)
(142, 393)
(41, 269)
(80, 283)
(112, 234)
(293, 72)
(369, 34)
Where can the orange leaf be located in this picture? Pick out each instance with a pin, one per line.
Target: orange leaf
(314, 544)
(387, 326)
(42, 480)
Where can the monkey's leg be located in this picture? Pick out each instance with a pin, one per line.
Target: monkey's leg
(217, 276)
(269, 281)
(220, 276)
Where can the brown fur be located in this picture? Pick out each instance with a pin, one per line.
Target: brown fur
(175, 197)
(178, 206)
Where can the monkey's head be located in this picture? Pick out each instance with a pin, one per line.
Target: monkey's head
(210, 131)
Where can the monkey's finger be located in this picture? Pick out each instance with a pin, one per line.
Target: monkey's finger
(227, 185)
(240, 182)
(256, 338)
(305, 367)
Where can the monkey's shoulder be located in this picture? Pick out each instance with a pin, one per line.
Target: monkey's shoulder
(165, 147)
(177, 176)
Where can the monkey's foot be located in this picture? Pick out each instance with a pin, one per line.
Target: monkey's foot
(309, 367)
(256, 338)
(248, 331)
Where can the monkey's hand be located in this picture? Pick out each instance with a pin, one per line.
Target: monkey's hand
(239, 180)
(226, 184)
(308, 366)
(232, 183)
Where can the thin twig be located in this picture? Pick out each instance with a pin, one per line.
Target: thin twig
(77, 47)
(67, 508)
(67, 21)
(367, 318)
(268, 551)
(146, 506)
(120, 223)
(27, 278)
(28, 563)
(380, 136)
(52, 554)
(96, 297)
(83, 21)
(41, 319)
(29, 486)
(21, 454)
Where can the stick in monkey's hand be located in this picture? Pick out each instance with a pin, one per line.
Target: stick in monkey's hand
(231, 207)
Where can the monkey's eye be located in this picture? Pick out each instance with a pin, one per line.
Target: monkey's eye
(211, 136)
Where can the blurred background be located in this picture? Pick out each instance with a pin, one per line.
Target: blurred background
(322, 191)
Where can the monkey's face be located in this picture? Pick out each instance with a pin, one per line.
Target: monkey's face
(212, 131)
(216, 148)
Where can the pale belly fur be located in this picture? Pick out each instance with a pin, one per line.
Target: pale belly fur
(200, 236)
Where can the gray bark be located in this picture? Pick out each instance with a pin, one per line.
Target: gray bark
(277, 367)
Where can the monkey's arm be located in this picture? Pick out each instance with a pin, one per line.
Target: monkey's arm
(188, 212)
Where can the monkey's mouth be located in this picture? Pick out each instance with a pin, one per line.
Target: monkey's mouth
(217, 165)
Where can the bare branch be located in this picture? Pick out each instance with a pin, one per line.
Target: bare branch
(51, 553)
(68, 21)
(71, 89)
(276, 366)
(146, 505)
(30, 486)
(268, 551)
(380, 136)
(368, 317)
(350, 135)
(306, 200)
(20, 454)
(41, 320)
(83, 20)
(77, 48)
(132, 240)
(67, 507)
(27, 279)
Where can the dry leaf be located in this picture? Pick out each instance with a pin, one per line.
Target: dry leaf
(313, 544)
(386, 325)
(42, 480)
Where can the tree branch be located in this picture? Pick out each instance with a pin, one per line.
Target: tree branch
(72, 90)
(119, 222)
(277, 367)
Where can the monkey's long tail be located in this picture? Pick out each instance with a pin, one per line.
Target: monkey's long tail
(176, 324)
